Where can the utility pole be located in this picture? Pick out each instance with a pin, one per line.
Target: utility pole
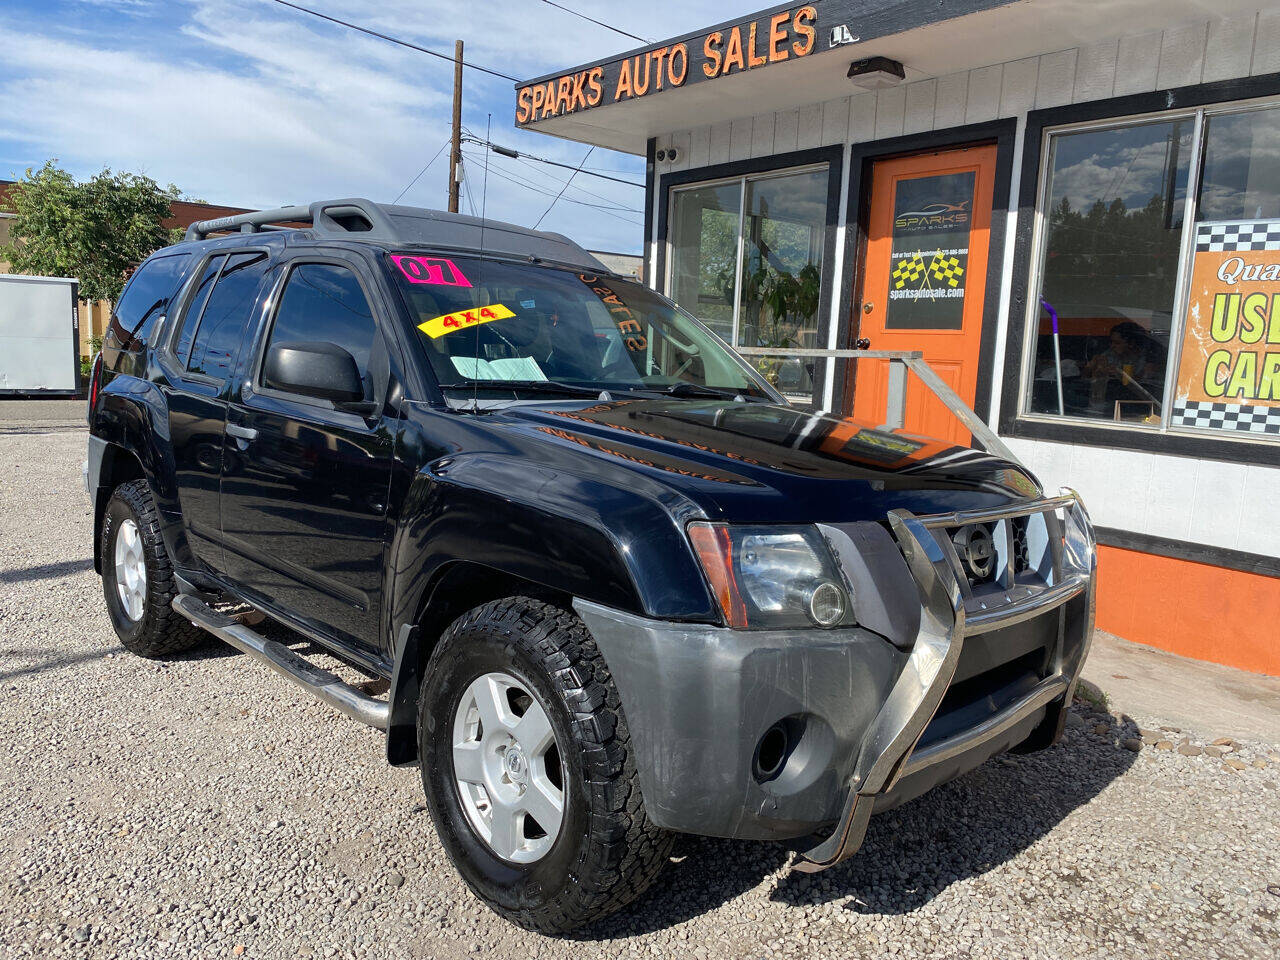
(455, 155)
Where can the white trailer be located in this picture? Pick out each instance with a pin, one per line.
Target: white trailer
(39, 336)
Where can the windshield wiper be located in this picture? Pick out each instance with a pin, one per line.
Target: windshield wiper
(542, 386)
(686, 389)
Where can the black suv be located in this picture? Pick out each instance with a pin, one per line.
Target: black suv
(618, 586)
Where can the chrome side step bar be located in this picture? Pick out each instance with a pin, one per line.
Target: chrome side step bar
(318, 682)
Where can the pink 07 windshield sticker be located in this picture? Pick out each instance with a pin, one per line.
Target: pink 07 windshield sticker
(434, 270)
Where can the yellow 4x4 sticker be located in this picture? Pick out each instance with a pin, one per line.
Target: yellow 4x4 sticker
(439, 326)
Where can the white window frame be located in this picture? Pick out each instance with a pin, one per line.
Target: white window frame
(1182, 284)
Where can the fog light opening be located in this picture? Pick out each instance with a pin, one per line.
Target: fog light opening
(771, 752)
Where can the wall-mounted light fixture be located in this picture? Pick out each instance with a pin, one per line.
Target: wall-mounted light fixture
(876, 73)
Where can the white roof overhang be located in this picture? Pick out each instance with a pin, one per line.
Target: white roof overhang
(930, 39)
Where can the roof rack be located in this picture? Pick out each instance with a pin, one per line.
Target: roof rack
(358, 219)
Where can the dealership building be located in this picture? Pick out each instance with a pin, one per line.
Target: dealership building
(1072, 210)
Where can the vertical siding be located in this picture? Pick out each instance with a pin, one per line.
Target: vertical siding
(1229, 48)
(1266, 44)
(921, 98)
(1018, 86)
(1056, 82)
(983, 100)
(1096, 72)
(1140, 56)
(809, 127)
(953, 91)
(1182, 55)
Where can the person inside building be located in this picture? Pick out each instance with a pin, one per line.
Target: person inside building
(1127, 370)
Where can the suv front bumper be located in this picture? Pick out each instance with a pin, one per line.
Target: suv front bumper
(872, 718)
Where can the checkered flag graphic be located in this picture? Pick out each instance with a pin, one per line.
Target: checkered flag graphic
(908, 270)
(1245, 417)
(946, 270)
(1238, 236)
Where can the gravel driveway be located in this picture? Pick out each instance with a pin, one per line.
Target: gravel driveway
(205, 807)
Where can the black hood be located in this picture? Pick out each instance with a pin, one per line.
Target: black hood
(757, 462)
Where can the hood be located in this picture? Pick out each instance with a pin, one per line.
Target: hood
(769, 463)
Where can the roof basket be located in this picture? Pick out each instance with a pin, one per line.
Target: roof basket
(359, 219)
(352, 215)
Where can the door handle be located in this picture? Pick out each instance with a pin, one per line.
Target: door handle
(241, 433)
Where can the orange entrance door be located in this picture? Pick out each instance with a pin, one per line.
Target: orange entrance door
(924, 278)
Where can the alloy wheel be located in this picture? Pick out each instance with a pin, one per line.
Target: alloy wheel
(131, 570)
(507, 768)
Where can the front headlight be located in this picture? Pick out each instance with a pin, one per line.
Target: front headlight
(772, 577)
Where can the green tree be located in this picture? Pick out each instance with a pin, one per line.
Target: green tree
(97, 230)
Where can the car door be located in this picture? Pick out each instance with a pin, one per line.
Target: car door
(198, 358)
(305, 481)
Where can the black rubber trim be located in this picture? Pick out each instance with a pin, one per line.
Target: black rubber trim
(1239, 560)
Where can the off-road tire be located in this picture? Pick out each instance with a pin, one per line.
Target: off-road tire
(607, 852)
(161, 632)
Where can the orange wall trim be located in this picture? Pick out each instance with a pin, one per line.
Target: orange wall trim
(1192, 609)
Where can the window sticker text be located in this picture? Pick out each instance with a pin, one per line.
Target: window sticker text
(449, 322)
(437, 271)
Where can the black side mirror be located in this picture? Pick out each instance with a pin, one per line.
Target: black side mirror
(315, 369)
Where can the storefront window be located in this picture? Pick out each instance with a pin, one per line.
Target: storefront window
(1115, 203)
(746, 259)
(1132, 304)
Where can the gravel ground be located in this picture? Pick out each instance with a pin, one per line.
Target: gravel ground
(205, 807)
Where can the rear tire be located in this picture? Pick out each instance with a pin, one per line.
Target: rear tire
(605, 852)
(137, 577)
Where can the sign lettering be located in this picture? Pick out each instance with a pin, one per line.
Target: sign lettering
(770, 40)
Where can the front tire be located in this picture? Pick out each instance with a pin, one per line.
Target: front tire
(137, 577)
(552, 867)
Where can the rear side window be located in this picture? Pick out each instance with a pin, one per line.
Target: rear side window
(191, 316)
(144, 301)
(226, 314)
(324, 302)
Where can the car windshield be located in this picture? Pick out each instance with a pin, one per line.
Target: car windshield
(494, 324)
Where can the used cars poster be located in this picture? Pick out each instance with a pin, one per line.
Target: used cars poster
(1229, 372)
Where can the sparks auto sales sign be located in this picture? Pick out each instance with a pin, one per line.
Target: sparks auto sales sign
(786, 35)
(1229, 372)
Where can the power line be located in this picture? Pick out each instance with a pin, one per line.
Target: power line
(546, 191)
(598, 23)
(516, 155)
(609, 210)
(558, 181)
(421, 172)
(390, 39)
(590, 150)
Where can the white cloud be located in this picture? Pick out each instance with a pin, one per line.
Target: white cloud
(250, 103)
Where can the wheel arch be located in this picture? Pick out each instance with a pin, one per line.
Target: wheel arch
(457, 587)
(119, 465)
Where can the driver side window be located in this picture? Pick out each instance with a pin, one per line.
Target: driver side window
(324, 302)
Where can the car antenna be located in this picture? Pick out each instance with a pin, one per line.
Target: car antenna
(484, 198)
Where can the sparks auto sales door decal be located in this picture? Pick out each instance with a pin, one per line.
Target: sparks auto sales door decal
(932, 217)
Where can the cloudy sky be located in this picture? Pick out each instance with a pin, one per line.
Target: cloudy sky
(249, 103)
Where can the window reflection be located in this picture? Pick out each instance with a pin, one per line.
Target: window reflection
(778, 276)
(1116, 202)
(1241, 167)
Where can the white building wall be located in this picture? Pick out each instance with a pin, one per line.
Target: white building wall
(1196, 500)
